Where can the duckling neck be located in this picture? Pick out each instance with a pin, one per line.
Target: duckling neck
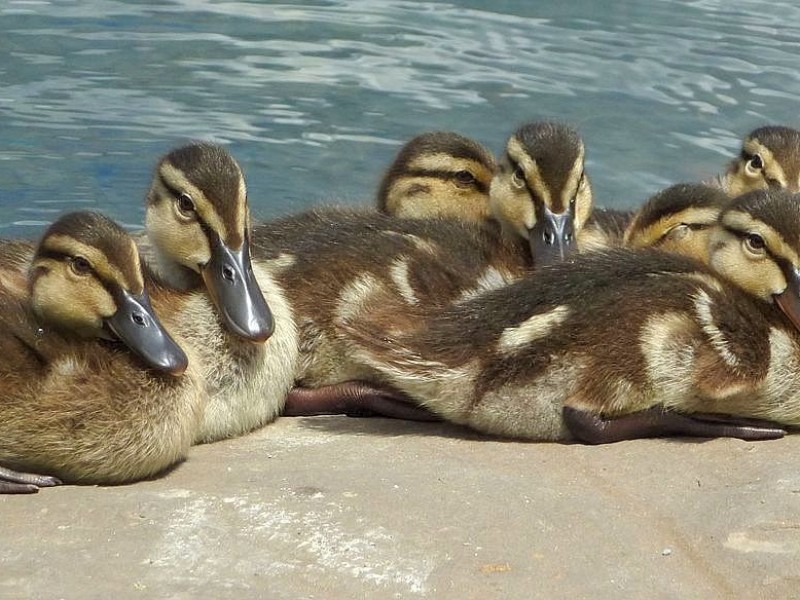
(173, 274)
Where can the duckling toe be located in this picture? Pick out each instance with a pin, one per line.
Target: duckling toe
(592, 428)
(14, 482)
(355, 399)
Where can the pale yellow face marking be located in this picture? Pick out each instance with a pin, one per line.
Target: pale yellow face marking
(761, 277)
(655, 232)
(99, 261)
(420, 196)
(531, 170)
(534, 328)
(205, 208)
(242, 215)
(180, 241)
(89, 302)
(580, 189)
(742, 221)
(742, 178)
(442, 161)
(439, 199)
(513, 206)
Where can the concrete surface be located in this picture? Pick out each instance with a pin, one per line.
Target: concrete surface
(332, 507)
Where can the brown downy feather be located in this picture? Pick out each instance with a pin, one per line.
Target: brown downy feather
(615, 332)
(86, 409)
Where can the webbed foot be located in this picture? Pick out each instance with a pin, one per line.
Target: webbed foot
(355, 399)
(591, 428)
(14, 482)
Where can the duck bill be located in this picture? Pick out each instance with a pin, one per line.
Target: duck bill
(235, 292)
(552, 238)
(789, 299)
(136, 325)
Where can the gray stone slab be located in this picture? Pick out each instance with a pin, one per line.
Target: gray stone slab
(331, 507)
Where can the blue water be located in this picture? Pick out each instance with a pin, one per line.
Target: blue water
(315, 98)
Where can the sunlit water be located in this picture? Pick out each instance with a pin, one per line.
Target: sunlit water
(314, 99)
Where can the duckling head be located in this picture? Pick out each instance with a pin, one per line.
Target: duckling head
(541, 192)
(199, 223)
(770, 158)
(439, 173)
(756, 245)
(678, 219)
(86, 279)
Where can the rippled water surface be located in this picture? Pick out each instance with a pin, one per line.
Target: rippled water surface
(314, 99)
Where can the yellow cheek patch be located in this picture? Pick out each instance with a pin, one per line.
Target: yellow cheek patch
(761, 278)
(531, 171)
(573, 178)
(742, 221)
(130, 278)
(443, 162)
(203, 206)
(88, 301)
(583, 204)
(653, 233)
(772, 169)
(511, 207)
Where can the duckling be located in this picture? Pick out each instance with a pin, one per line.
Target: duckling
(770, 158)
(545, 358)
(541, 193)
(676, 219)
(427, 262)
(198, 229)
(679, 219)
(439, 173)
(94, 389)
(326, 259)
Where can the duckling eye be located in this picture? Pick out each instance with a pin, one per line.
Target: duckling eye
(678, 232)
(518, 178)
(755, 243)
(755, 163)
(464, 178)
(186, 205)
(80, 266)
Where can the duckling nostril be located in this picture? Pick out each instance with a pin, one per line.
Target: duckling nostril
(549, 238)
(139, 319)
(228, 273)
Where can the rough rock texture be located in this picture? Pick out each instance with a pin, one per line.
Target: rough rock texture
(332, 507)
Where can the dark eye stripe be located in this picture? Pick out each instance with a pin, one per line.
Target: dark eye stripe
(110, 285)
(446, 176)
(170, 188)
(743, 235)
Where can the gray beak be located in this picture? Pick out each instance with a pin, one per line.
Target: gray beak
(235, 292)
(136, 325)
(552, 238)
